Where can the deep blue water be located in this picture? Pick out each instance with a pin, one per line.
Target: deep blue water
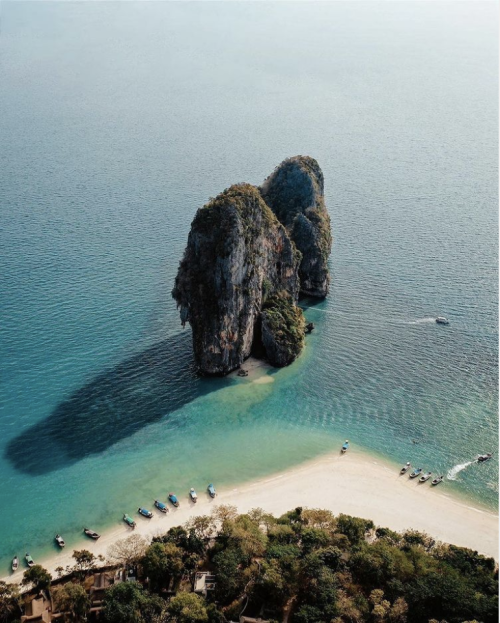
(117, 121)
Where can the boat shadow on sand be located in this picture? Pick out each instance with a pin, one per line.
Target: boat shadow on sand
(114, 405)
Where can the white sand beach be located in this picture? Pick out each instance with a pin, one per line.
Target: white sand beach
(356, 484)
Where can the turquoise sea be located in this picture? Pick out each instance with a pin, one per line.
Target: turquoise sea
(119, 120)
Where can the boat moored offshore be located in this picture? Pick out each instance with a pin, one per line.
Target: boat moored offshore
(15, 563)
(59, 540)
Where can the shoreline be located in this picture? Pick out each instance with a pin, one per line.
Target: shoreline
(356, 484)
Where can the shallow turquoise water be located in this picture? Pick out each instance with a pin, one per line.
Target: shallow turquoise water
(117, 122)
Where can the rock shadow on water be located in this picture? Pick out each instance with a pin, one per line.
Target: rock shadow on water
(113, 406)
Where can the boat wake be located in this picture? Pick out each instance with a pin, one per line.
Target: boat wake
(454, 471)
(422, 320)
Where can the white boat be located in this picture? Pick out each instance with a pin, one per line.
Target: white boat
(60, 541)
(442, 320)
(192, 495)
(425, 477)
(437, 480)
(15, 563)
(405, 468)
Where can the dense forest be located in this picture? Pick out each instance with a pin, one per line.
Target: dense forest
(306, 566)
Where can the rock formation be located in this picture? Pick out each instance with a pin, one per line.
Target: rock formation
(294, 192)
(239, 280)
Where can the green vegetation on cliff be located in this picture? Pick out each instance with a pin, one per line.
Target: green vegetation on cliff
(283, 329)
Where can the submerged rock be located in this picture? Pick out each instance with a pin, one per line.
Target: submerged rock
(245, 263)
(238, 255)
(295, 193)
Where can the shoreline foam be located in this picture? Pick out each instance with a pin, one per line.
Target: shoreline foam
(356, 484)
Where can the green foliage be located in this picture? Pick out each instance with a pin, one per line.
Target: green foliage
(72, 598)
(354, 528)
(190, 540)
(306, 567)
(187, 608)
(389, 535)
(285, 322)
(10, 609)
(128, 602)
(37, 576)
(230, 580)
(84, 560)
(161, 563)
(313, 538)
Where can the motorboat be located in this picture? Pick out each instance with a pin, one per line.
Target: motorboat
(442, 320)
(145, 513)
(437, 480)
(129, 521)
(425, 477)
(484, 457)
(192, 495)
(211, 490)
(416, 472)
(15, 563)
(345, 446)
(59, 540)
(29, 560)
(173, 499)
(91, 534)
(405, 468)
(161, 506)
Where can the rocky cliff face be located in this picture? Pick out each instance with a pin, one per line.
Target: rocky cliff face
(239, 280)
(294, 192)
(237, 256)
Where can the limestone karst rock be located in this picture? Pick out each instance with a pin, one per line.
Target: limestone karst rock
(295, 193)
(245, 264)
(238, 254)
